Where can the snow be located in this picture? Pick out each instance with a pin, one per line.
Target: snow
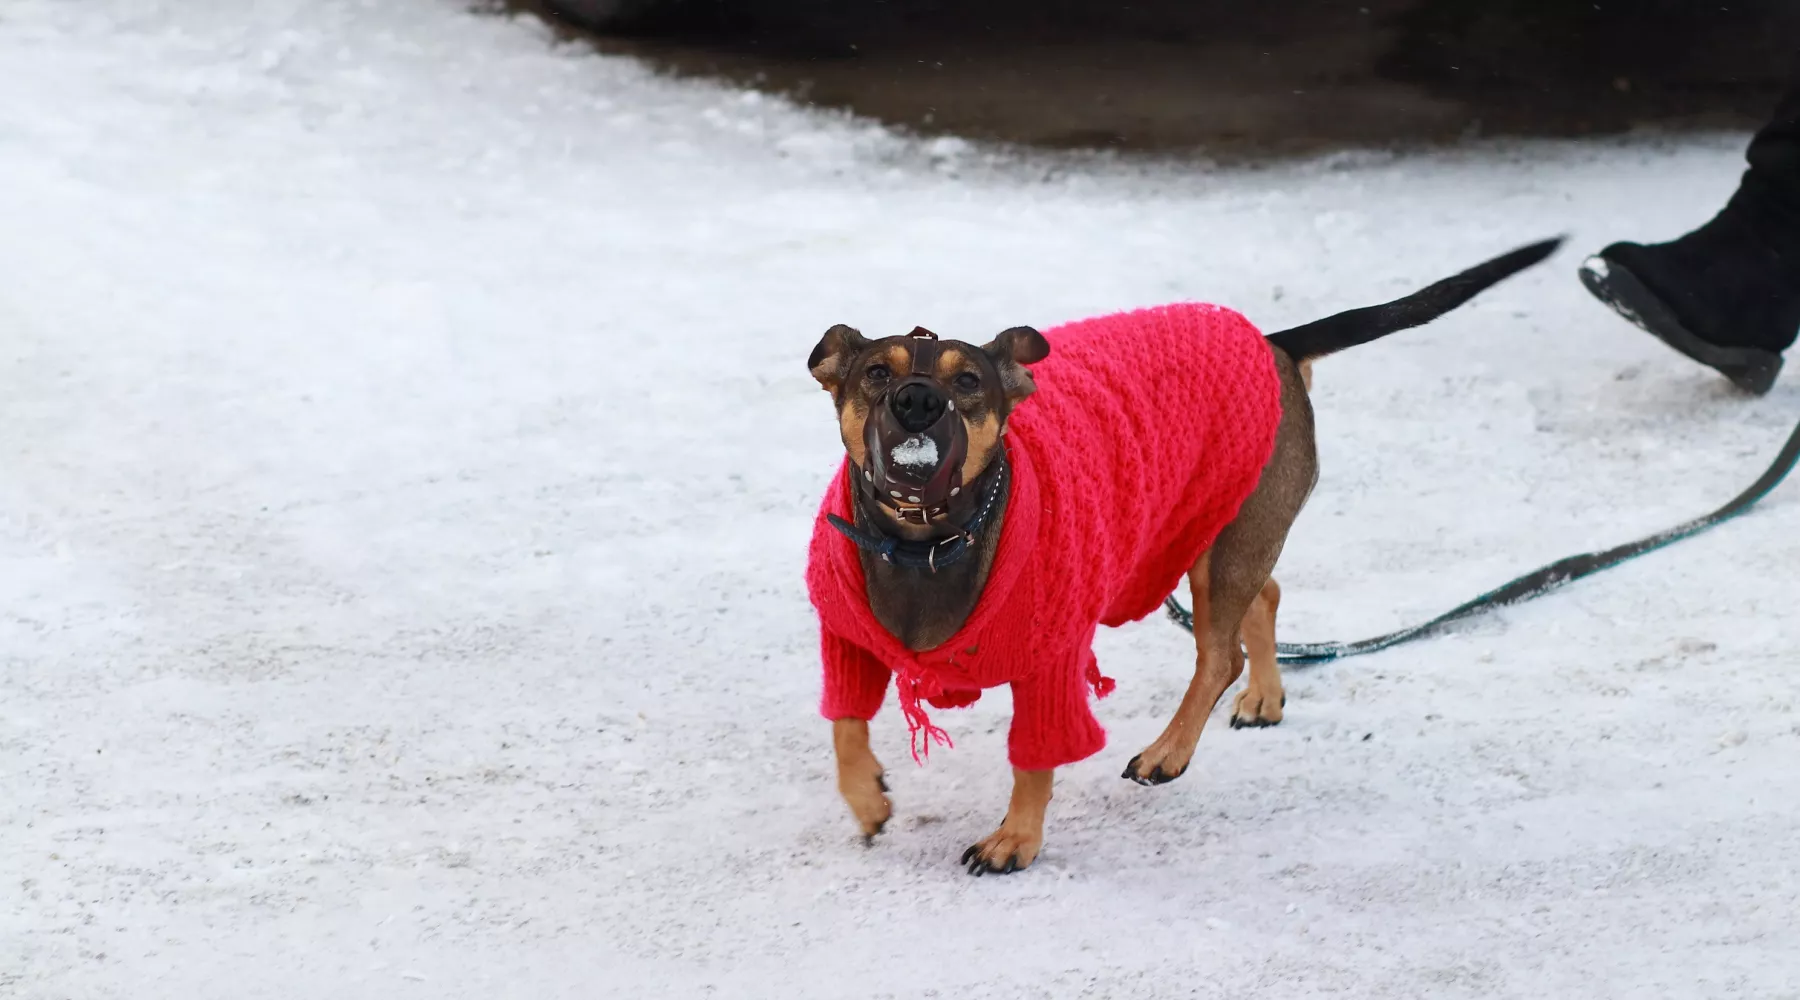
(916, 452)
(401, 597)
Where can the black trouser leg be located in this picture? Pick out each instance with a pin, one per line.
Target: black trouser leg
(1771, 187)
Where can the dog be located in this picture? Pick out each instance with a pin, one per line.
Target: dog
(978, 536)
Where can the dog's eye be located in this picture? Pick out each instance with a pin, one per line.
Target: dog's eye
(968, 382)
(879, 373)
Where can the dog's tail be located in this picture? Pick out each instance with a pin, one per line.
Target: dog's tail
(1359, 326)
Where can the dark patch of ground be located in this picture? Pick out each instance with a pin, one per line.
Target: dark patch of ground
(1233, 77)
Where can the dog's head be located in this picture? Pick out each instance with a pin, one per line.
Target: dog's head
(920, 416)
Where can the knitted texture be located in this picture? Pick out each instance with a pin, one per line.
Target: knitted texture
(1147, 432)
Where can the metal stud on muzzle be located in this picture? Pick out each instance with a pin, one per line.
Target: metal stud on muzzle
(916, 442)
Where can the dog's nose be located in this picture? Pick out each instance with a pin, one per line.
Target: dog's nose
(918, 405)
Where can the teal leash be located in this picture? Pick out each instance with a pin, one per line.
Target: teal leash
(1536, 583)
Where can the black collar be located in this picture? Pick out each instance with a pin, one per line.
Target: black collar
(929, 555)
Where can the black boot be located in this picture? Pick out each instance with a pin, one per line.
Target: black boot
(1728, 293)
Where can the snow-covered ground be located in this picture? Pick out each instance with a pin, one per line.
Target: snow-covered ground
(406, 458)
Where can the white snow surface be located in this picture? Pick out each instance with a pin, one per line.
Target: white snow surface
(399, 596)
(915, 451)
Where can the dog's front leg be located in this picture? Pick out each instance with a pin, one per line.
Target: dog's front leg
(860, 779)
(1021, 835)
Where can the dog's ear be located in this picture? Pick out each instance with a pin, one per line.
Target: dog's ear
(1011, 352)
(840, 345)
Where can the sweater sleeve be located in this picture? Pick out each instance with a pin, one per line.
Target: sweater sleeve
(855, 682)
(1052, 724)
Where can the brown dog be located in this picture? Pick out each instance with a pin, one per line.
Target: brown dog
(953, 407)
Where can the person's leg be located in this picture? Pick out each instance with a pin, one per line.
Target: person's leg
(1728, 293)
(1773, 179)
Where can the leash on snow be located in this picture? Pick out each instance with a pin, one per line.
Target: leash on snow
(1536, 583)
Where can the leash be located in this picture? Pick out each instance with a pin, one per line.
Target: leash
(1536, 583)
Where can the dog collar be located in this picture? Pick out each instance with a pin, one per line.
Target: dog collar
(935, 554)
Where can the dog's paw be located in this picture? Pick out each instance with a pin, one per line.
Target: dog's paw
(1253, 709)
(866, 795)
(1004, 851)
(1153, 771)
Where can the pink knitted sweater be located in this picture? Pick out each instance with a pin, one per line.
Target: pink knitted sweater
(1147, 432)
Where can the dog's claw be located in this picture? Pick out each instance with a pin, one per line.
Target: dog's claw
(979, 866)
(1157, 775)
(881, 780)
(869, 838)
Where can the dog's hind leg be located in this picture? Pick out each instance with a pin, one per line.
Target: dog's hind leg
(1219, 661)
(1261, 701)
(1232, 576)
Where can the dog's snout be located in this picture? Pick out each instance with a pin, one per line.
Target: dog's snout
(918, 405)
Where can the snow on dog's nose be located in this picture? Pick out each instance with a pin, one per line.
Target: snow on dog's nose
(916, 453)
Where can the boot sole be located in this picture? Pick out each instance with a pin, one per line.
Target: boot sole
(1748, 368)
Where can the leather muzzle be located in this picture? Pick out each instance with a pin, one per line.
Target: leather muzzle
(915, 473)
